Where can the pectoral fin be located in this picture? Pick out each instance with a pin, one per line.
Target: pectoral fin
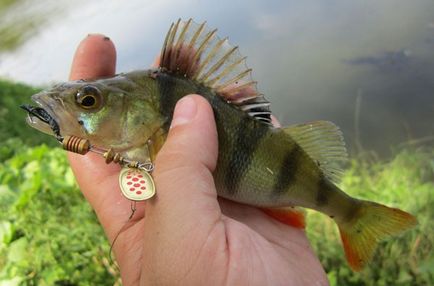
(155, 143)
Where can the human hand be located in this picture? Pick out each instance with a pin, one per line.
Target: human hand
(186, 235)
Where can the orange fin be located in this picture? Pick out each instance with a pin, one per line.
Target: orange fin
(290, 216)
(371, 224)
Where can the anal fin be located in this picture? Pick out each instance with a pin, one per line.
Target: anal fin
(291, 216)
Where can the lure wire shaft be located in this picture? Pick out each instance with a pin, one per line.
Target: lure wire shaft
(82, 146)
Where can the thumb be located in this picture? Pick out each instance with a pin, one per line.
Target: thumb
(186, 194)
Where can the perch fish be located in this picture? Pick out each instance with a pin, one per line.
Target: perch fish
(258, 164)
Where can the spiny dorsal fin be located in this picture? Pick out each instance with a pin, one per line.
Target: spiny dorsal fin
(324, 143)
(196, 52)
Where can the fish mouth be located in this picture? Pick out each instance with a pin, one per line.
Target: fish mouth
(42, 117)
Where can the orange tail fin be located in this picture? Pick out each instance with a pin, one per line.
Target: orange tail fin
(372, 223)
(289, 216)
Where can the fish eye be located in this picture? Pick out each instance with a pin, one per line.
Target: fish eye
(89, 97)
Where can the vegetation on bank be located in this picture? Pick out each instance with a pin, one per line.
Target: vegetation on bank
(48, 233)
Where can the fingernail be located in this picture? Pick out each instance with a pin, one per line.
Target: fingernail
(185, 111)
(104, 37)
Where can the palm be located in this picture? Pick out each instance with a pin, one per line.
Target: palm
(257, 250)
(276, 254)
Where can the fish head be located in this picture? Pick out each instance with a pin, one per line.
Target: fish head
(112, 113)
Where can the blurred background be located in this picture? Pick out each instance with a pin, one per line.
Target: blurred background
(366, 65)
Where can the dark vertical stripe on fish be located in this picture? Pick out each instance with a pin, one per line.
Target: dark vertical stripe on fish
(247, 140)
(323, 191)
(167, 97)
(288, 171)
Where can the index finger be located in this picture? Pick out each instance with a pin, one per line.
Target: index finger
(96, 57)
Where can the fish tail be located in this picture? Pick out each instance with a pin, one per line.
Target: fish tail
(372, 223)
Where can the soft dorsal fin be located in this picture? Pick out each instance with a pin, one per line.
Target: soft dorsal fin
(196, 52)
(324, 143)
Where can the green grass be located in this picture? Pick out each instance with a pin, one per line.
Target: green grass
(48, 233)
